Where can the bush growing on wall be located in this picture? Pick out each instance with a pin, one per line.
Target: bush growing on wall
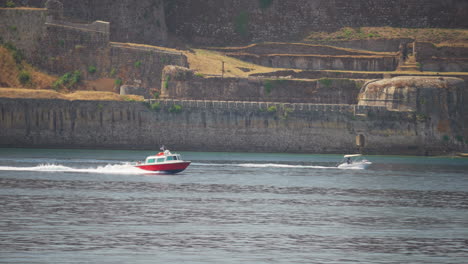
(241, 23)
(92, 69)
(264, 4)
(175, 108)
(24, 77)
(68, 80)
(10, 4)
(325, 82)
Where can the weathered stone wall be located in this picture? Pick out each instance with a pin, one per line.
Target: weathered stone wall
(182, 83)
(308, 74)
(218, 126)
(142, 63)
(67, 47)
(213, 22)
(442, 58)
(60, 46)
(292, 48)
(438, 101)
(377, 45)
(140, 21)
(23, 28)
(323, 62)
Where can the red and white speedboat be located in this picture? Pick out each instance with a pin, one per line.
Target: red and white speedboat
(164, 162)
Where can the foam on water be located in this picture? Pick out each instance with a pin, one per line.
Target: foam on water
(271, 165)
(107, 169)
(126, 168)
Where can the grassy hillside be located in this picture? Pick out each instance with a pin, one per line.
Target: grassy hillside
(15, 72)
(18, 79)
(210, 63)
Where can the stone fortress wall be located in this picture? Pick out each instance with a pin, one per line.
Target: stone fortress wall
(59, 46)
(219, 126)
(212, 22)
(215, 113)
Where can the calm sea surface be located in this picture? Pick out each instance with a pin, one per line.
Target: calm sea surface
(88, 206)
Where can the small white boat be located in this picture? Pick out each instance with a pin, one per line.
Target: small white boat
(354, 161)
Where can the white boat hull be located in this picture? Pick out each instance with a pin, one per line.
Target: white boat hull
(360, 165)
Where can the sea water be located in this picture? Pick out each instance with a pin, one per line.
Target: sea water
(91, 206)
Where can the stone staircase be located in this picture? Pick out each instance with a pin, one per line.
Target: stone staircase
(410, 64)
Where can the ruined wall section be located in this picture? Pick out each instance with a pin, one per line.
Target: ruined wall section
(441, 58)
(67, 47)
(142, 65)
(61, 46)
(140, 21)
(217, 126)
(323, 62)
(440, 102)
(182, 83)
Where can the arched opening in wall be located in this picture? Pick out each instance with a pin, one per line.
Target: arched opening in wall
(360, 141)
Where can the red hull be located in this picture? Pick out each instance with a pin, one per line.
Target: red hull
(166, 168)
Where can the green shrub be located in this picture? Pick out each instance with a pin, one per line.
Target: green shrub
(166, 82)
(326, 82)
(69, 80)
(118, 82)
(156, 95)
(92, 69)
(201, 75)
(421, 117)
(175, 108)
(128, 99)
(268, 84)
(156, 106)
(112, 72)
(137, 64)
(24, 77)
(61, 43)
(264, 4)
(79, 47)
(445, 138)
(18, 56)
(272, 109)
(10, 4)
(241, 23)
(12, 28)
(16, 53)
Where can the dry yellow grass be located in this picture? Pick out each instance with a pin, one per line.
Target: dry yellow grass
(79, 95)
(210, 63)
(10, 70)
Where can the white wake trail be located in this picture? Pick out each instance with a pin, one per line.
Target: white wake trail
(107, 169)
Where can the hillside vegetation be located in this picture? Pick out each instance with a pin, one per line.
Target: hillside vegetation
(18, 79)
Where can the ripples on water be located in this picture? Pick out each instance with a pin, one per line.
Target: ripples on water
(260, 209)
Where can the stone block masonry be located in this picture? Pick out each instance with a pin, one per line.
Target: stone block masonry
(182, 83)
(215, 126)
(61, 46)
